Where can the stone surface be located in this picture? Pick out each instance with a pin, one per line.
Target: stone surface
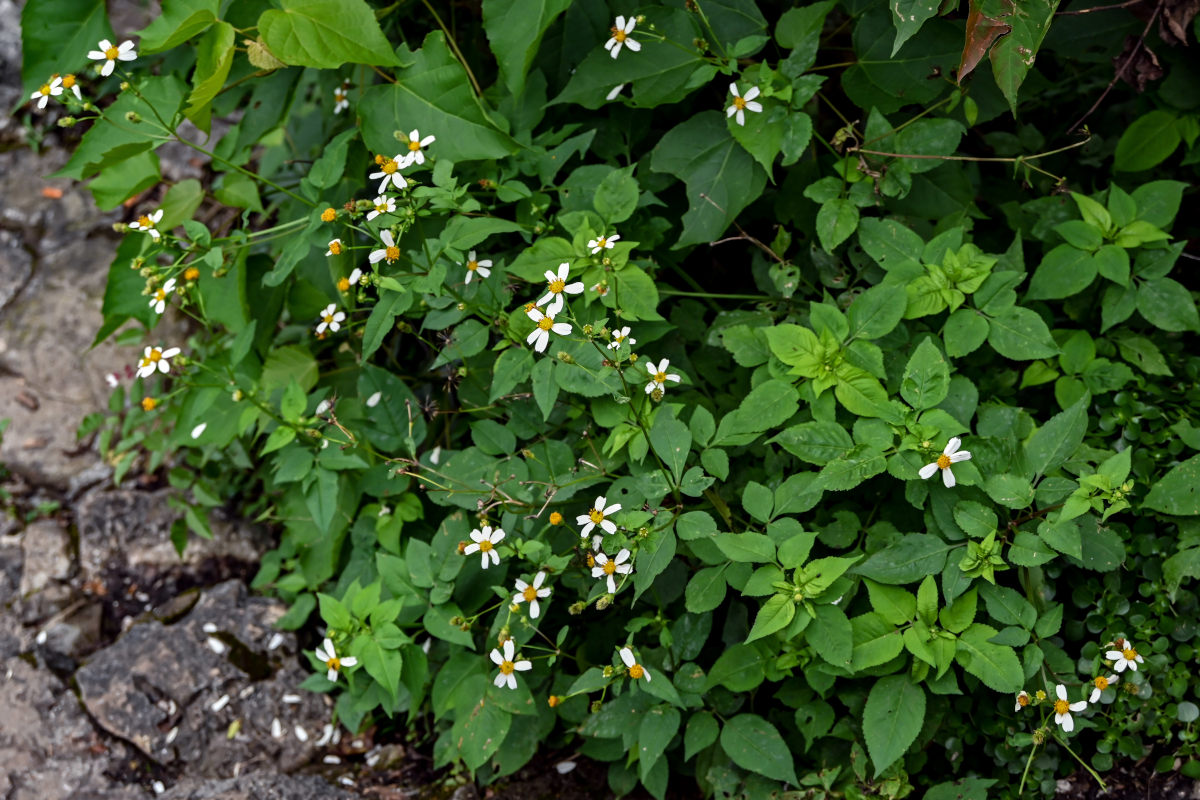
(257, 786)
(175, 690)
(46, 552)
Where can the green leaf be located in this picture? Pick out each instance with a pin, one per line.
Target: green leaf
(755, 745)
(1168, 305)
(748, 547)
(1147, 142)
(1013, 56)
(1007, 606)
(545, 388)
(1022, 335)
(1158, 201)
(831, 635)
(888, 82)
(383, 665)
(56, 36)
(1066, 270)
(702, 730)
(325, 34)
(816, 442)
(852, 468)
(965, 331)
(897, 606)
(775, 615)
(758, 501)
(658, 727)
(974, 518)
(1011, 491)
(877, 311)
(383, 314)
(672, 441)
(892, 718)
(907, 561)
(836, 220)
(1177, 492)
(617, 196)
(481, 729)
(123, 180)
(1053, 443)
(893, 246)
(961, 613)
(739, 668)
(875, 641)
(214, 58)
(515, 45)
(436, 91)
(909, 16)
(926, 379)
(180, 20)
(767, 406)
(705, 590)
(721, 177)
(995, 665)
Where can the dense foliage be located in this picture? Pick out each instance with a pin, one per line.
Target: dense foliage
(738, 394)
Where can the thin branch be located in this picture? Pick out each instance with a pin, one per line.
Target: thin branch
(1123, 68)
(454, 46)
(1126, 4)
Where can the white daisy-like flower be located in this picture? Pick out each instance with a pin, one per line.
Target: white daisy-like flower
(1023, 699)
(158, 300)
(598, 515)
(556, 285)
(110, 54)
(531, 593)
(383, 205)
(951, 455)
(485, 542)
(659, 376)
(600, 289)
(331, 319)
(389, 252)
(146, 222)
(389, 171)
(341, 97)
(504, 660)
(620, 36)
(329, 657)
(335, 248)
(72, 83)
(540, 337)
(1126, 657)
(743, 103)
(636, 670)
(602, 243)
(1099, 685)
(1063, 709)
(52, 88)
(415, 154)
(355, 278)
(474, 264)
(155, 360)
(606, 569)
(621, 337)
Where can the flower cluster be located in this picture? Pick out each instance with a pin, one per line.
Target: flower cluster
(1122, 655)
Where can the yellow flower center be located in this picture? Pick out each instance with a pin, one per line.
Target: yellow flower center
(1101, 683)
(636, 671)
(472, 265)
(546, 323)
(618, 34)
(328, 215)
(390, 254)
(155, 356)
(191, 273)
(344, 285)
(414, 146)
(335, 247)
(591, 560)
(1061, 706)
(145, 221)
(45, 90)
(530, 594)
(596, 516)
(1129, 653)
(660, 377)
(159, 294)
(1022, 700)
(381, 208)
(68, 81)
(556, 518)
(602, 242)
(556, 286)
(148, 403)
(610, 567)
(327, 318)
(739, 103)
(111, 53)
(618, 337)
(485, 546)
(943, 461)
(389, 166)
(506, 667)
(334, 663)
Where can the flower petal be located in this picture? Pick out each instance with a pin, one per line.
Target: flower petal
(928, 470)
(948, 478)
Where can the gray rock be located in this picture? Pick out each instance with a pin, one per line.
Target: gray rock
(46, 547)
(16, 266)
(257, 786)
(175, 691)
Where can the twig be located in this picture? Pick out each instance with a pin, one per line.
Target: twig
(1121, 71)
(454, 46)
(1126, 4)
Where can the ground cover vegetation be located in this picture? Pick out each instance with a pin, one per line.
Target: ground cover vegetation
(780, 401)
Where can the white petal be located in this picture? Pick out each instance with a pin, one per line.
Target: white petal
(522, 666)
(612, 585)
(948, 478)
(512, 681)
(1080, 706)
(1060, 692)
(1121, 665)
(620, 22)
(755, 107)
(349, 661)
(534, 609)
(1095, 695)
(952, 445)
(614, 508)
(751, 94)
(633, 44)
(108, 68)
(500, 680)
(199, 430)
(1068, 723)
(627, 657)
(741, 117)
(729, 112)
(562, 328)
(484, 563)
(928, 470)
(961, 455)
(573, 288)
(543, 339)
(1111, 655)
(496, 657)
(733, 90)
(483, 271)
(471, 548)
(497, 535)
(509, 649)
(608, 526)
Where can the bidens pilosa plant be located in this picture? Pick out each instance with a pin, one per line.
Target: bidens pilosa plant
(750, 397)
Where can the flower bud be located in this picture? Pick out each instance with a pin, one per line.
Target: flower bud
(132, 116)
(554, 700)
(604, 602)
(66, 122)
(595, 707)
(565, 357)
(575, 609)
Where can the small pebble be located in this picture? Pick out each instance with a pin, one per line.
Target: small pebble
(276, 640)
(221, 703)
(158, 787)
(301, 734)
(171, 734)
(276, 729)
(291, 698)
(331, 760)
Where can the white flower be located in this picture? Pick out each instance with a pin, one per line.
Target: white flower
(158, 300)
(389, 252)
(112, 379)
(146, 223)
(598, 515)
(951, 455)
(383, 205)
(344, 284)
(659, 376)
(331, 318)
(742, 104)
(1063, 709)
(620, 36)
(389, 170)
(1099, 685)
(110, 55)
(621, 337)
(603, 243)
(415, 143)
(335, 248)
(616, 90)
(155, 358)
(507, 666)
(607, 568)
(482, 266)
(556, 285)
(540, 337)
(198, 431)
(636, 670)
(70, 82)
(600, 288)
(329, 657)
(1023, 700)
(531, 593)
(374, 399)
(1126, 657)
(52, 89)
(485, 542)
(341, 98)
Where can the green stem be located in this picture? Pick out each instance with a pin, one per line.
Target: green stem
(1084, 764)
(1025, 774)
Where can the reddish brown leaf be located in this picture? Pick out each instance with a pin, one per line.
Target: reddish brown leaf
(1137, 64)
(982, 33)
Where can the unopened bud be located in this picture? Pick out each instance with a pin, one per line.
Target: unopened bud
(575, 609)
(595, 706)
(609, 671)
(604, 602)
(66, 122)
(565, 357)
(132, 116)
